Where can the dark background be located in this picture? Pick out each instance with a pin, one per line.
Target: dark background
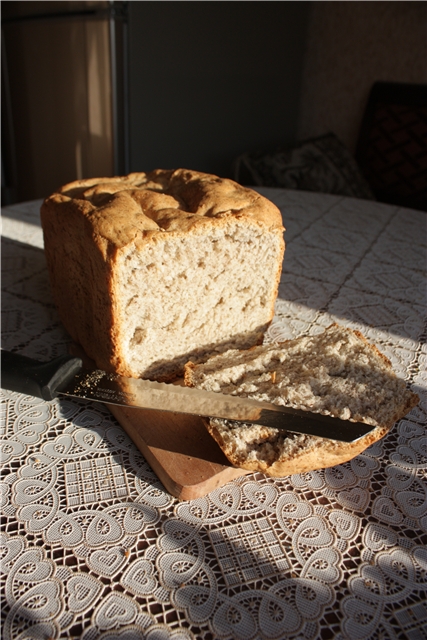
(220, 77)
(104, 88)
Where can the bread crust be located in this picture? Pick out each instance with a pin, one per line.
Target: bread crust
(319, 453)
(89, 225)
(133, 208)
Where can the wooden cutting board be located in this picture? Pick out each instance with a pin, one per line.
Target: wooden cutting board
(178, 447)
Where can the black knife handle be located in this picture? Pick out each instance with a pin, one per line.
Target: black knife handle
(39, 379)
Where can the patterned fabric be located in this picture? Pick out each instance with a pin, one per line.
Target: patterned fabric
(392, 147)
(93, 548)
(322, 164)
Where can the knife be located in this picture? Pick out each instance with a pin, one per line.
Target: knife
(66, 375)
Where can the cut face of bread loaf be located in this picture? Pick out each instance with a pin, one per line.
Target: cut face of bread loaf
(151, 270)
(336, 373)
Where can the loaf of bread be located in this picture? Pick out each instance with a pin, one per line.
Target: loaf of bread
(335, 373)
(152, 269)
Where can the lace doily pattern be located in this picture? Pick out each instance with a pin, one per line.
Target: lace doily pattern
(92, 547)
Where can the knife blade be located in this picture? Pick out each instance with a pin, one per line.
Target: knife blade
(67, 376)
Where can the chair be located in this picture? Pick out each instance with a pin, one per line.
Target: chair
(392, 147)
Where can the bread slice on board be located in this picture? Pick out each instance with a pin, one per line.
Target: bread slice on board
(337, 372)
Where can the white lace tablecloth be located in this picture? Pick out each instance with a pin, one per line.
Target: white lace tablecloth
(93, 547)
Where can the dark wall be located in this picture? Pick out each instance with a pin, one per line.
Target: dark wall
(209, 80)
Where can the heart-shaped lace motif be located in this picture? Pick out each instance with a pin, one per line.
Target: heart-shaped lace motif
(323, 565)
(277, 617)
(116, 610)
(356, 499)
(311, 597)
(32, 422)
(227, 498)
(409, 429)
(377, 537)
(398, 566)
(347, 525)
(262, 496)
(385, 510)
(40, 604)
(139, 578)
(103, 529)
(196, 511)
(60, 447)
(198, 601)
(419, 445)
(361, 618)
(107, 562)
(370, 585)
(137, 516)
(83, 591)
(398, 479)
(88, 418)
(65, 530)
(11, 548)
(233, 620)
(339, 477)
(29, 491)
(363, 466)
(9, 449)
(89, 439)
(309, 479)
(311, 534)
(31, 568)
(177, 568)
(413, 503)
(405, 457)
(289, 509)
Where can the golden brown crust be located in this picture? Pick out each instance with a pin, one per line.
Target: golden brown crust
(134, 207)
(85, 313)
(382, 357)
(188, 374)
(319, 455)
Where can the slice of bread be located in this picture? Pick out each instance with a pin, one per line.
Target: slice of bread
(337, 372)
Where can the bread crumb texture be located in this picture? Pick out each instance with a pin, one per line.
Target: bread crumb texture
(335, 373)
(163, 267)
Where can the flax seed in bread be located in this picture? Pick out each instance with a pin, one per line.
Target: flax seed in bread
(336, 372)
(152, 269)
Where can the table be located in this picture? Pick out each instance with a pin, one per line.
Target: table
(93, 547)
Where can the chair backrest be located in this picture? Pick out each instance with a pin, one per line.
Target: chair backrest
(392, 146)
